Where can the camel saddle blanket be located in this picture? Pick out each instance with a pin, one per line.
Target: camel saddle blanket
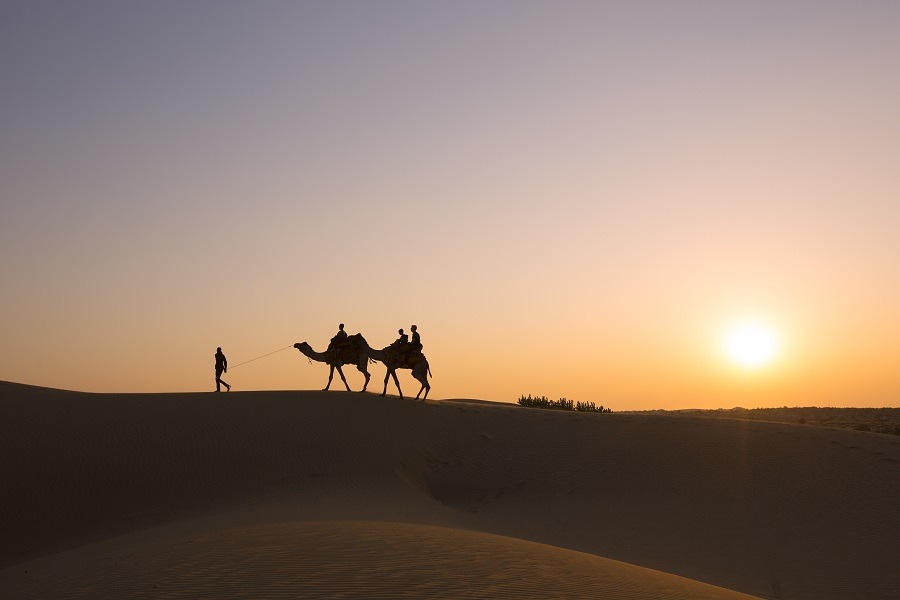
(348, 353)
(392, 357)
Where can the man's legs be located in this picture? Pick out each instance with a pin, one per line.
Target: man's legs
(219, 381)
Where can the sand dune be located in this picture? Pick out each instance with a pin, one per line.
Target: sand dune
(345, 559)
(323, 494)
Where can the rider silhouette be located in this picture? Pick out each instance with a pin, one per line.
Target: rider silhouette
(402, 345)
(340, 337)
(416, 342)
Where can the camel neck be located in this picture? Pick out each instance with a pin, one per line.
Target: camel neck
(317, 356)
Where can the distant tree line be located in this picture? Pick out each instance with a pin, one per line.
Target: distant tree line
(561, 404)
(875, 420)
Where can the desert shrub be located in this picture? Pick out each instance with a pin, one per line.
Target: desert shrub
(561, 404)
(535, 402)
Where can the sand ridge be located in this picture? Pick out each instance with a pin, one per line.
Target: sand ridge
(765, 509)
(345, 559)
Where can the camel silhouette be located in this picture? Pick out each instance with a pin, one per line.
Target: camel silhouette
(349, 355)
(417, 363)
(358, 352)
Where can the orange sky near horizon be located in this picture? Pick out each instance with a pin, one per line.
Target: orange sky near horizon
(572, 200)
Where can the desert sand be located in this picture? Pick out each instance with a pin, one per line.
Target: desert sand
(348, 495)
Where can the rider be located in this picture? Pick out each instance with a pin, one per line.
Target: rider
(339, 338)
(401, 346)
(416, 342)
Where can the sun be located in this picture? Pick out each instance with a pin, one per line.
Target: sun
(751, 344)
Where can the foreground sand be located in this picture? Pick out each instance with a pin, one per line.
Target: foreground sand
(307, 494)
(343, 559)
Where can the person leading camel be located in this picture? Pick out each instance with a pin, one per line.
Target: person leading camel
(221, 367)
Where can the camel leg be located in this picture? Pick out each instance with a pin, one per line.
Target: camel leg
(362, 369)
(387, 375)
(366, 384)
(421, 376)
(397, 382)
(425, 386)
(344, 379)
(330, 377)
(391, 372)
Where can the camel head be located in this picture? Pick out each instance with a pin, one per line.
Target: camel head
(300, 346)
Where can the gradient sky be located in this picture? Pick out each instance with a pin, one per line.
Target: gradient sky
(568, 198)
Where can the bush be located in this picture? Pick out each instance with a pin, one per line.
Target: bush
(561, 404)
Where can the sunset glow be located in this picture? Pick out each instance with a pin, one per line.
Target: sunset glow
(751, 344)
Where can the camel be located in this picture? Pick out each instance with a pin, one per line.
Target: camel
(349, 355)
(417, 363)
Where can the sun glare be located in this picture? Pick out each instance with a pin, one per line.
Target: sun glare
(751, 344)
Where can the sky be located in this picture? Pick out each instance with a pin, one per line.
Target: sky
(570, 199)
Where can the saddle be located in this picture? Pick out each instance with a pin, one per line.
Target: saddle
(411, 357)
(346, 351)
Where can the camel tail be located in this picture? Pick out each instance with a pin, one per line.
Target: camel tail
(429, 372)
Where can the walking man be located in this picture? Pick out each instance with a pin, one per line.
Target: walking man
(221, 367)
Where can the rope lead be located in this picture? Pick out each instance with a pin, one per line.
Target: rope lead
(259, 357)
